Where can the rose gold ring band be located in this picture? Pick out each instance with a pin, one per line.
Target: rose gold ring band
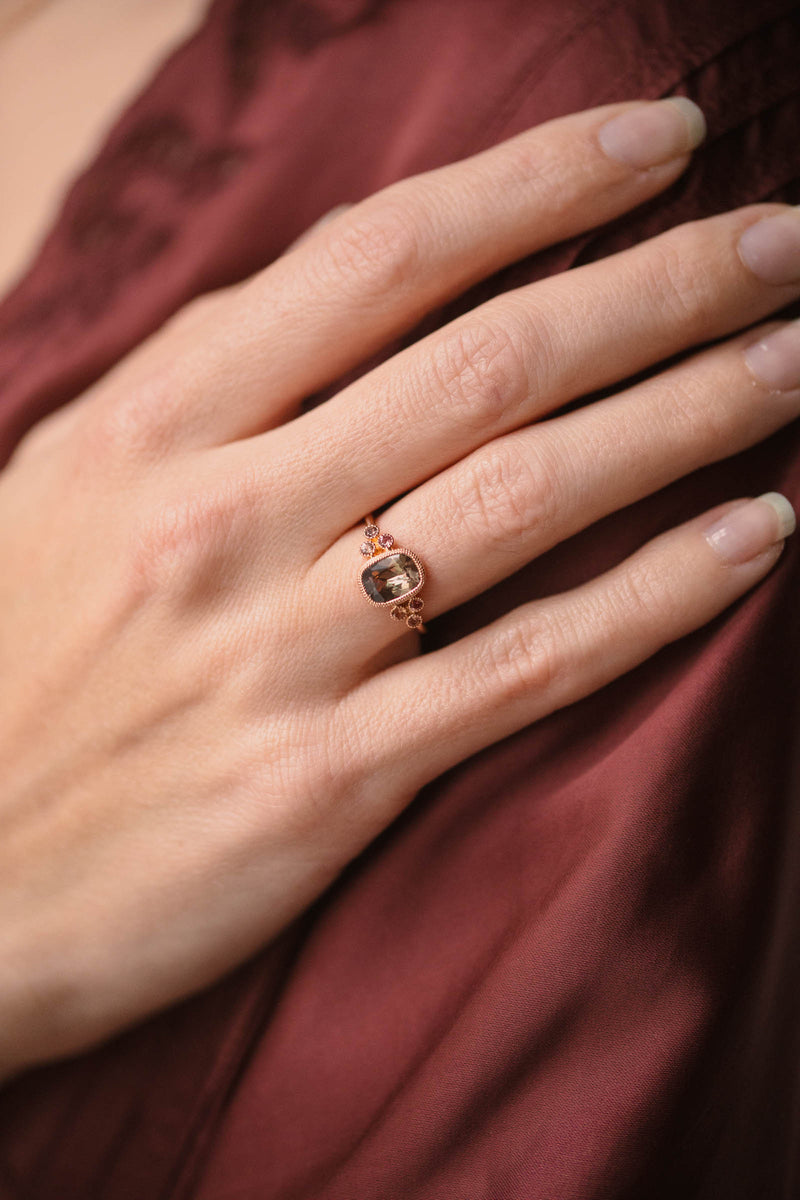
(393, 576)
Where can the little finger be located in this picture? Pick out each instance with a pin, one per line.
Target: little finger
(549, 653)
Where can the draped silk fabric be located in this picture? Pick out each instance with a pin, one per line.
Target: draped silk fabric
(569, 971)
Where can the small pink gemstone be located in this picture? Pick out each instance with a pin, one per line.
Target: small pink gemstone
(415, 604)
(399, 612)
(371, 531)
(367, 548)
(414, 621)
(386, 540)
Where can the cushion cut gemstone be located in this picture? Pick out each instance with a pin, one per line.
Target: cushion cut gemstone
(390, 577)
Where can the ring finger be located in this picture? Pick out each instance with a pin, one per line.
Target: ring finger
(512, 500)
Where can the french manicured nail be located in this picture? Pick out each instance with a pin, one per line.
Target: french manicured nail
(654, 133)
(775, 360)
(771, 247)
(747, 531)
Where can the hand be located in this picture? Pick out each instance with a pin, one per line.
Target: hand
(202, 720)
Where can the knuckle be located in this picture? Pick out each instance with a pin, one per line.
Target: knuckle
(641, 598)
(479, 367)
(127, 424)
(377, 250)
(540, 167)
(169, 544)
(503, 493)
(680, 271)
(523, 658)
(114, 428)
(690, 417)
(179, 548)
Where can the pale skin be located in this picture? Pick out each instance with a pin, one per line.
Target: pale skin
(191, 677)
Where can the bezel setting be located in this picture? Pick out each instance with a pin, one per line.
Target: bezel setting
(375, 561)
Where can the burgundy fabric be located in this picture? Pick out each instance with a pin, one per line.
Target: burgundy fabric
(570, 970)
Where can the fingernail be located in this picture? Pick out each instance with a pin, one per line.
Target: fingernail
(775, 360)
(771, 248)
(747, 531)
(654, 133)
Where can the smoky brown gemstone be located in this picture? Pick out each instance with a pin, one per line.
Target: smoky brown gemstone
(389, 577)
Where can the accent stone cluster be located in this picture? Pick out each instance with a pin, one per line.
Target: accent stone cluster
(389, 577)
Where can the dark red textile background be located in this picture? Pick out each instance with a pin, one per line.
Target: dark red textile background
(570, 970)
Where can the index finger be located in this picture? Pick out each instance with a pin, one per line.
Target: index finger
(371, 274)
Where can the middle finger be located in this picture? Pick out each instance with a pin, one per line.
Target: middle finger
(526, 353)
